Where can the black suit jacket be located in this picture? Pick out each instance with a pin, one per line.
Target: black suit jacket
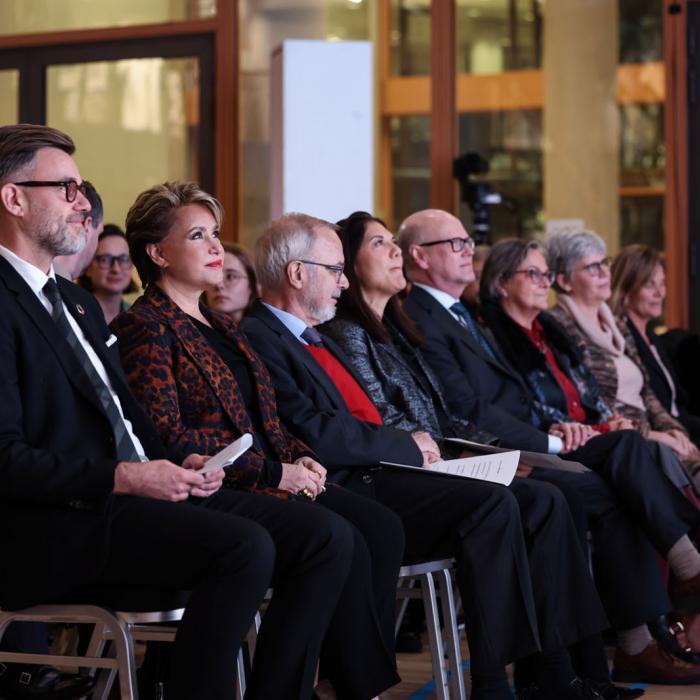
(313, 409)
(484, 390)
(57, 451)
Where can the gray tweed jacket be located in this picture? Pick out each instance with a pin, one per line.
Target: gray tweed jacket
(407, 394)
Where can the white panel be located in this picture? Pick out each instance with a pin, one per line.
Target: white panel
(322, 141)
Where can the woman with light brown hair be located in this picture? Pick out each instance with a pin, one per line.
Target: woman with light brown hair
(638, 295)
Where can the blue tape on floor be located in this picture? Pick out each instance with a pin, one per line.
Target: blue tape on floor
(429, 688)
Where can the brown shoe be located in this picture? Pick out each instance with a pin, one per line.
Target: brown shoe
(654, 665)
(685, 594)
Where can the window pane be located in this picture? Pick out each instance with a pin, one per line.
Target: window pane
(135, 123)
(31, 16)
(642, 221)
(9, 89)
(511, 144)
(642, 151)
(410, 152)
(641, 31)
(498, 35)
(410, 37)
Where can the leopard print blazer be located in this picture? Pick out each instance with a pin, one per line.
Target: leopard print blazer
(190, 392)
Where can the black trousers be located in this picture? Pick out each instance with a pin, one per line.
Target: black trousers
(358, 652)
(628, 462)
(524, 584)
(227, 550)
(626, 569)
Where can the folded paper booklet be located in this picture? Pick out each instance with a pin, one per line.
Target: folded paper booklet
(534, 459)
(229, 454)
(498, 468)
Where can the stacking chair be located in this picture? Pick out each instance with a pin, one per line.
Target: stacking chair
(111, 647)
(428, 581)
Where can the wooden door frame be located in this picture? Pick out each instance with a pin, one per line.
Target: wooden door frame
(222, 30)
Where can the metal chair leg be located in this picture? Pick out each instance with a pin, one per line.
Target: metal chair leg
(454, 656)
(432, 620)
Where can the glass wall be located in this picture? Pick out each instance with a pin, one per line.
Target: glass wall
(135, 123)
(264, 25)
(36, 16)
(591, 68)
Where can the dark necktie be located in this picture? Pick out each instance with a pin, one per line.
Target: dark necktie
(465, 318)
(312, 337)
(125, 447)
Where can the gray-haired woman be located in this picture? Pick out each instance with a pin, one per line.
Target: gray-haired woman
(582, 282)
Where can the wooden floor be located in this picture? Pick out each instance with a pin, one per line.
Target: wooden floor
(416, 672)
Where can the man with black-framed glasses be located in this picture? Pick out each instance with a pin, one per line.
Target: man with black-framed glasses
(84, 514)
(72, 266)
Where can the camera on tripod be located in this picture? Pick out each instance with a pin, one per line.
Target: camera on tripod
(476, 192)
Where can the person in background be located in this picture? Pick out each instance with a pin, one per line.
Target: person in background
(470, 295)
(582, 282)
(638, 294)
(108, 276)
(72, 266)
(238, 288)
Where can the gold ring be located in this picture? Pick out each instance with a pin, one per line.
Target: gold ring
(307, 493)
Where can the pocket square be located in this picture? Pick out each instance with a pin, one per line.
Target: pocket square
(111, 340)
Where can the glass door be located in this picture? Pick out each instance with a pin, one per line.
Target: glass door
(140, 112)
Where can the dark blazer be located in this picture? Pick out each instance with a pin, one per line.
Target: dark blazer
(486, 391)
(659, 384)
(191, 393)
(548, 398)
(57, 451)
(407, 394)
(313, 408)
(657, 379)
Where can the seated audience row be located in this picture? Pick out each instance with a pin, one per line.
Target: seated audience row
(315, 508)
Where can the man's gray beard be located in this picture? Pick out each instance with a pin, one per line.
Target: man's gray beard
(59, 240)
(320, 312)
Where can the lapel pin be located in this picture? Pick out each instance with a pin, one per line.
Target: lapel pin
(81, 310)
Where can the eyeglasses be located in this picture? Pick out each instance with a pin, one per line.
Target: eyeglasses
(338, 269)
(537, 276)
(71, 187)
(105, 261)
(457, 244)
(595, 269)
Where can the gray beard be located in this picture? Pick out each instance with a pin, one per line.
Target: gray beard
(60, 242)
(320, 312)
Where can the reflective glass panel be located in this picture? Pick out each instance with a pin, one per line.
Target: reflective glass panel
(410, 37)
(34, 16)
(642, 221)
(642, 151)
(9, 90)
(135, 123)
(410, 153)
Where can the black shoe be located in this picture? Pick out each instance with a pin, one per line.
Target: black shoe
(409, 643)
(608, 691)
(663, 632)
(20, 681)
(577, 690)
